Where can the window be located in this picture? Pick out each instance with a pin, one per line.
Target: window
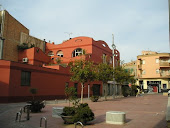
(50, 53)
(111, 59)
(104, 58)
(143, 61)
(77, 52)
(60, 53)
(143, 72)
(157, 61)
(164, 86)
(157, 71)
(25, 78)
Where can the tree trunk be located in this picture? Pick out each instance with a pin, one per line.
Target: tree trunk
(105, 95)
(82, 86)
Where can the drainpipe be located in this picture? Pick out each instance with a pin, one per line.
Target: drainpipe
(1, 34)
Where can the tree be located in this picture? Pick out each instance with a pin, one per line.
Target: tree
(71, 93)
(33, 91)
(104, 74)
(122, 75)
(82, 71)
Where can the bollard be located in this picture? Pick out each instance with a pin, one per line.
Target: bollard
(79, 123)
(28, 112)
(19, 114)
(45, 121)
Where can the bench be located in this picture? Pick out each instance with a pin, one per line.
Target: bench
(56, 112)
(115, 117)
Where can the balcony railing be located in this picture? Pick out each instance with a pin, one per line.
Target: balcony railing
(164, 64)
(166, 74)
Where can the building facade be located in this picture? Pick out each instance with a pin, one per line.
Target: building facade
(13, 33)
(153, 71)
(44, 66)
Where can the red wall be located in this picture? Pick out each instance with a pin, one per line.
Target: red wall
(50, 83)
(95, 48)
(4, 80)
(35, 56)
(49, 80)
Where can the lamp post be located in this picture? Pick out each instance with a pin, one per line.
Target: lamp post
(113, 53)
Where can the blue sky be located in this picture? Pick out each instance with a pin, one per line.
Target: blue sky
(136, 24)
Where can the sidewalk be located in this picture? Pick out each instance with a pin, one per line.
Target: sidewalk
(147, 111)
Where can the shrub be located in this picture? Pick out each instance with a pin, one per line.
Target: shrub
(94, 98)
(133, 90)
(36, 106)
(69, 111)
(125, 91)
(80, 113)
(83, 114)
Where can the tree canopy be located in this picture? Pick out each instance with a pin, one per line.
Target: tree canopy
(82, 71)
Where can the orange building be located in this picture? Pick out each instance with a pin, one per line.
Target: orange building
(153, 71)
(44, 66)
(36, 69)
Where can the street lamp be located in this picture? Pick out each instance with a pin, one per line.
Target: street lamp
(113, 53)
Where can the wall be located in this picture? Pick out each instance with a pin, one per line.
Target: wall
(11, 33)
(4, 80)
(35, 56)
(91, 47)
(49, 82)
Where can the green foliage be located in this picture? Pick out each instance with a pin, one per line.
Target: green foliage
(126, 91)
(121, 75)
(82, 71)
(94, 98)
(33, 91)
(83, 114)
(80, 113)
(133, 90)
(71, 94)
(104, 72)
(68, 111)
(24, 46)
(58, 60)
(36, 106)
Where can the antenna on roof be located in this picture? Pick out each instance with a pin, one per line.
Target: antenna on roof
(68, 34)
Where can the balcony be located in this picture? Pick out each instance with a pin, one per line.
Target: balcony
(165, 75)
(164, 64)
(140, 67)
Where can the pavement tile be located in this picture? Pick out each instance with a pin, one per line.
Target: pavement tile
(147, 111)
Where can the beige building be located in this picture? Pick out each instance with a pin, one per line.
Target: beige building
(153, 71)
(132, 68)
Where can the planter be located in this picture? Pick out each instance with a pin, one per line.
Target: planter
(67, 119)
(94, 98)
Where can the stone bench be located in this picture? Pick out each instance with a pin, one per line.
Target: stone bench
(115, 117)
(56, 112)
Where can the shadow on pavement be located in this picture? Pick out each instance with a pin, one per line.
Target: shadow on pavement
(161, 124)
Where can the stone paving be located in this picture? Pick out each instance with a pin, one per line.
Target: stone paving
(147, 111)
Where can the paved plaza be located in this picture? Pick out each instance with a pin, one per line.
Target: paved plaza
(147, 111)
